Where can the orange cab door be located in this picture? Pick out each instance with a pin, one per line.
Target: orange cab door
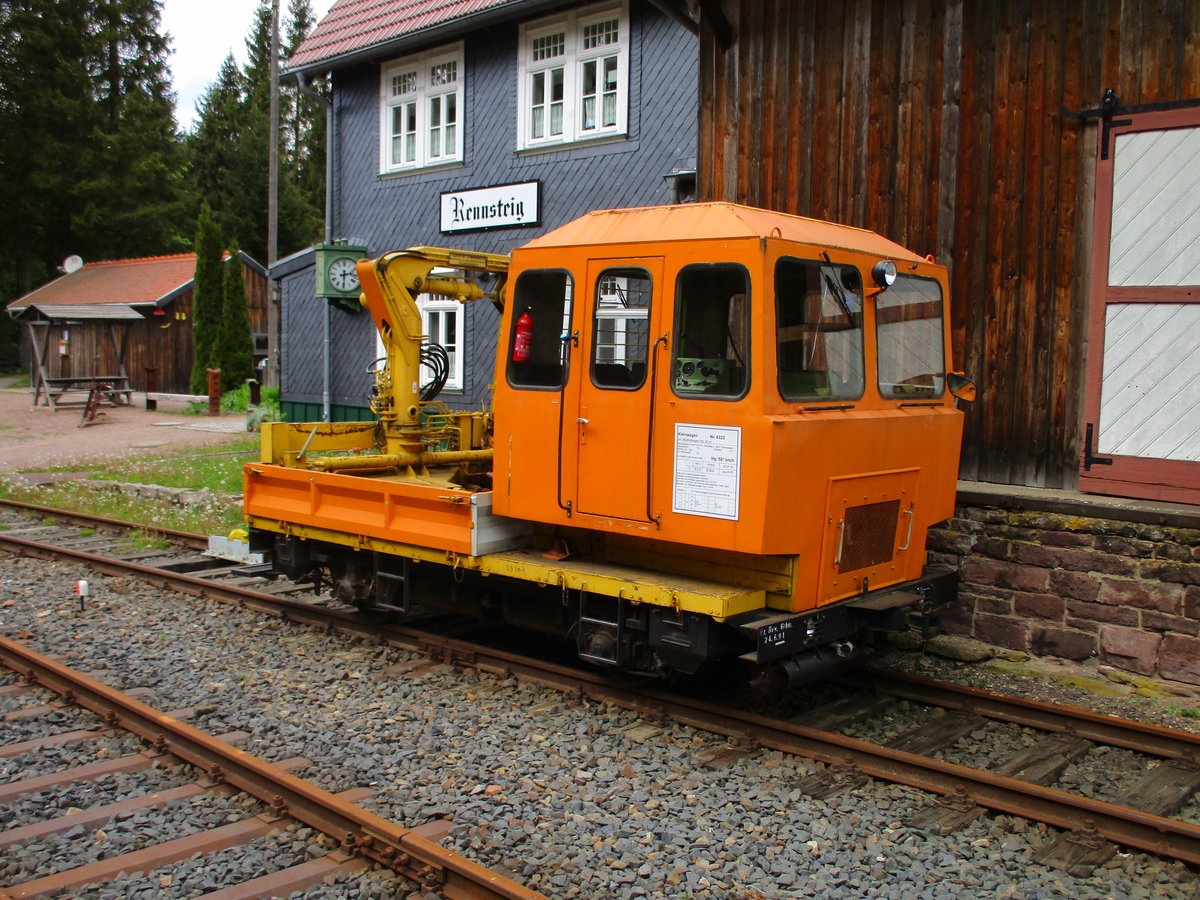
(621, 309)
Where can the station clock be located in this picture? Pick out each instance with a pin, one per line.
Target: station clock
(336, 275)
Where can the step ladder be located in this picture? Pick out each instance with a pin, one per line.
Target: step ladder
(392, 589)
(590, 624)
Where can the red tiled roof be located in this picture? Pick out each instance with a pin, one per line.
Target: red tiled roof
(127, 281)
(357, 25)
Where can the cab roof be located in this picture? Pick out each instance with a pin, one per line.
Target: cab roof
(714, 221)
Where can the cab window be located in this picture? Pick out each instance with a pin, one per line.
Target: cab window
(819, 330)
(621, 328)
(711, 356)
(541, 315)
(909, 334)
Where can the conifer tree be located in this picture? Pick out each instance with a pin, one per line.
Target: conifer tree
(235, 342)
(224, 164)
(230, 152)
(87, 136)
(300, 212)
(305, 121)
(208, 299)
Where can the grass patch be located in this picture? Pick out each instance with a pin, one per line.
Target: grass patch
(238, 401)
(87, 532)
(21, 382)
(1188, 712)
(218, 516)
(149, 540)
(219, 472)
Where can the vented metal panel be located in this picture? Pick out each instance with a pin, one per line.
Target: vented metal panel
(868, 535)
(871, 536)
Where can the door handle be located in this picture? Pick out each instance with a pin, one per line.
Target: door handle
(582, 421)
(907, 537)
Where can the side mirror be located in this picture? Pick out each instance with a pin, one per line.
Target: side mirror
(960, 385)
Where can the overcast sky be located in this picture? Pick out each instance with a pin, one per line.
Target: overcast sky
(203, 32)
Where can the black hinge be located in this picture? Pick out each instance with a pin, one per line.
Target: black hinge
(1110, 107)
(1105, 113)
(1090, 459)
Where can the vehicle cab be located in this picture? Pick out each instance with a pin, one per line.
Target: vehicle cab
(731, 391)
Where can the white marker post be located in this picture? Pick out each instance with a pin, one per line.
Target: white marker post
(81, 591)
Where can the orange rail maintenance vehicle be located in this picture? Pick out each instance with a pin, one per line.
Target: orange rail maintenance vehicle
(718, 432)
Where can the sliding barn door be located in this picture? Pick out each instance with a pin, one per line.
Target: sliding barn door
(1142, 426)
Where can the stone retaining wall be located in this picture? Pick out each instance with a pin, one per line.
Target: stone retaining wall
(1075, 587)
(177, 496)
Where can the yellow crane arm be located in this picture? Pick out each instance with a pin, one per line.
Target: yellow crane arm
(389, 287)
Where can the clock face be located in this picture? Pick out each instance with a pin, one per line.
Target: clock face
(342, 275)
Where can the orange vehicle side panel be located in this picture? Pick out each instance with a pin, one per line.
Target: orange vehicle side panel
(788, 454)
(407, 513)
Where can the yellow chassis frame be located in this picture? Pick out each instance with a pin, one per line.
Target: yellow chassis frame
(707, 598)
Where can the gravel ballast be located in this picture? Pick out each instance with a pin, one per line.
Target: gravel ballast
(574, 800)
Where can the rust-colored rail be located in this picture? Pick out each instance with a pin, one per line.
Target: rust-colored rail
(360, 831)
(1156, 834)
(195, 541)
(1081, 723)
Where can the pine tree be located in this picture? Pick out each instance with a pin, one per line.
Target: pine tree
(235, 341)
(46, 116)
(130, 196)
(208, 299)
(89, 158)
(300, 208)
(230, 153)
(305, 122)
(227, 166)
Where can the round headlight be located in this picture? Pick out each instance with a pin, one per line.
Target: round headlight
(884, 273)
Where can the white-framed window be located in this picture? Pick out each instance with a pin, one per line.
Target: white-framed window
(442, 322)
(622, 313)
(574, 77)
(421, 110)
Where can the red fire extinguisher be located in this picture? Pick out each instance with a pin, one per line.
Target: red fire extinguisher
(523, 341)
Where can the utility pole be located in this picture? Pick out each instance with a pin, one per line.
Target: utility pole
(273, 156)
(271, 375)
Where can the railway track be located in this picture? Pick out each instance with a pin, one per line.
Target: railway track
(286, 801)
(1140, 816)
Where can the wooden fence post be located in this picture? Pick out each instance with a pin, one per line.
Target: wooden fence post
(214, 392)
(151, 387)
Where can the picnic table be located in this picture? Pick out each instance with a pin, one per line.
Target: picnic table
(115, 390)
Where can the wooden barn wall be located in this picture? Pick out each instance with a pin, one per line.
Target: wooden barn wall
(938, 124)
(162, 342)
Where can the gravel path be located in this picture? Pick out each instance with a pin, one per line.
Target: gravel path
(40, 438)
(582, 801)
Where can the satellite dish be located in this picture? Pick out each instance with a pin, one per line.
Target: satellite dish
(72, 264)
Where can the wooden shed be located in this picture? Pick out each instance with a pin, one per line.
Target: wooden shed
(1047, 151)
(116, 321)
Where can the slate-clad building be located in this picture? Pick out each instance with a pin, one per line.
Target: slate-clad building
(479, 125)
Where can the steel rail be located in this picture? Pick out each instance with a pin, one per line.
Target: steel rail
(1133, 828)
(195, 541)
(1080, 723)
(360, 831)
